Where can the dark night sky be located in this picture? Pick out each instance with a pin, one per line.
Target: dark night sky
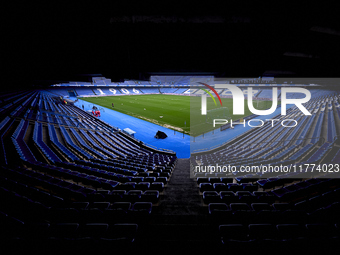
(45, 42)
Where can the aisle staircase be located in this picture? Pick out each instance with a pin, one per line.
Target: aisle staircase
(180, 222)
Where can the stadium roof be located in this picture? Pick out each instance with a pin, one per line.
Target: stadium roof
(121, 40)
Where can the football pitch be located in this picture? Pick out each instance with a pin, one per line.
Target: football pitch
(180, 113)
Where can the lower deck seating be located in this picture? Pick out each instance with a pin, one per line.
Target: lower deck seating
(84, 182)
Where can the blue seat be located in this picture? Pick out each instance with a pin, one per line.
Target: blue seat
(219, 211)
(294, 216)
(93, 231)
(220, 187)
(321, 231)
(291, 232)
(214, 180)
(211, 197)
(157, 186)
(137, 179)
(110, 184)
(228, 197)
(267, 217)
(234, 236)
(117, 212)
(239, 207)
(162, 179)
(127, 186)
(150, 179)
(116, 195)
(246, 197)
(150, 196)
(226, 180)
(36, 230)
(132, 196)
(262, 232)
(91, 215)
(205, 187)
(96, 197)
(249, 187)
(202, 180)
(126, 206)
(281, 207)
(141, 209)
(234, 187)
(64, 215)
(142, 186)
(123, 232)
(100, 205)
(63, 230)
(261, 206)
(80, 205)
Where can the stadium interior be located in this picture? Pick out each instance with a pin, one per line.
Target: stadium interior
(78, 177)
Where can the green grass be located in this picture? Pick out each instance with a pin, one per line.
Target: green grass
(181, 113)
(174, 109)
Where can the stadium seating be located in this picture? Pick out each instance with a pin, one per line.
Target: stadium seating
(68, 177)
(279, 146)
(72, 175)
(271, 209)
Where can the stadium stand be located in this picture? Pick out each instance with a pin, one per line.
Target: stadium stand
(266, 93)
(69, 178)
(275, 210)
(150, 90)
(168, 90)
(65, 170)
